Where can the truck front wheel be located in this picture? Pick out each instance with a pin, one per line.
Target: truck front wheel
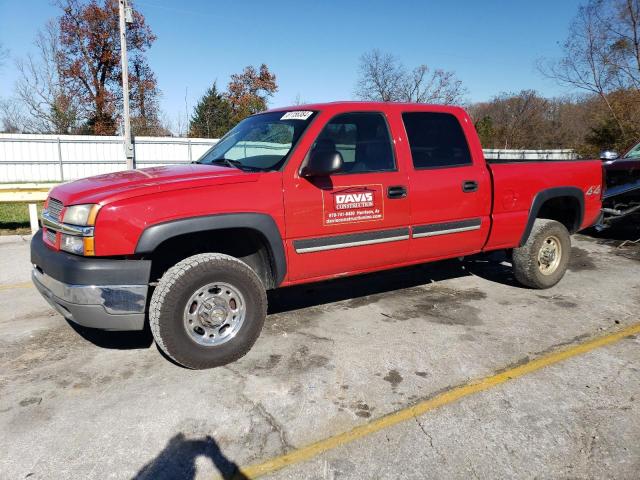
(207, 310)
(542, 261)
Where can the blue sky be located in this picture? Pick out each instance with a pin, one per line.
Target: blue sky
(314, 46)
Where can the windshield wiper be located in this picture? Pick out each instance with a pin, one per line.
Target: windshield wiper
(228, 162)
(235, 164)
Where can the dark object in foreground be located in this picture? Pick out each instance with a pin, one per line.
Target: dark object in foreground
(621, 198)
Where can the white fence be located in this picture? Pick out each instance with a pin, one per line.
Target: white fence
(528, 155)
(55, 158)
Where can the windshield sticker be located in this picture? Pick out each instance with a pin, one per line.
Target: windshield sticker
(358, 203)
(297, 115)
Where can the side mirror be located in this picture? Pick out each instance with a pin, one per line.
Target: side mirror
(322, 163)
(609, 155)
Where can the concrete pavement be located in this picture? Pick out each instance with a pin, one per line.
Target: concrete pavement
(84, 404)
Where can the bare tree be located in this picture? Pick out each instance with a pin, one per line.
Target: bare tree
(526, 120)
(298, 100)
(623, 22)
(179, 125)
(50, 105)
(515, 120)
(12, 117)
(4, 55)
(602, 55)
(382, 77)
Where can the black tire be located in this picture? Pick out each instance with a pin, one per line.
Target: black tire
(175, 289)
(528, 268)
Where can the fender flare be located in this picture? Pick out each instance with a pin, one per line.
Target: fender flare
(542, 196)
(262, 223)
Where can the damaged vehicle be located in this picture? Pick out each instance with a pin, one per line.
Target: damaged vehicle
(621, 198)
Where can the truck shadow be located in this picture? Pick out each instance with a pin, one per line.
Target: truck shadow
(493, 267)
(115, 340)
(623, 237)
(627, 229)
(178, 460)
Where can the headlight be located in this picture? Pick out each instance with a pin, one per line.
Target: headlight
(72, 244)
(77, 245)
(76, 230)
(83, 215)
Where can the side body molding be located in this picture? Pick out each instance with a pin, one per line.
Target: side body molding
(548, 194)
(260, 222)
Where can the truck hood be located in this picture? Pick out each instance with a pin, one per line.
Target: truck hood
(132, 183)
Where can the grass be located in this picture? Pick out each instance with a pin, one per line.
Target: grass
(14, 218)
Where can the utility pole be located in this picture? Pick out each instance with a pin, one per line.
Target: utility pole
(126, 17)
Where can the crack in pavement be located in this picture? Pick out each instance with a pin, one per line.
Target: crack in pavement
(276, 426)
(313, 336)
(428, 435)
(285, 444)
(437, 450)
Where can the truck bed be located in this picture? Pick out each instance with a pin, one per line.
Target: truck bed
(516, 184)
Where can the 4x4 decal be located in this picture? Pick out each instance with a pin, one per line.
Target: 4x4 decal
(593, 190)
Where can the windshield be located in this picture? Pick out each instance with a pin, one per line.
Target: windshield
(260, 142)
(634, 152)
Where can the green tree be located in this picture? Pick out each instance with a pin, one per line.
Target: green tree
(605, 135)
(212, 115)
(484, 127)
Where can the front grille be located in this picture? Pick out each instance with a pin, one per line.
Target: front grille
(51, 236)
(54, 207)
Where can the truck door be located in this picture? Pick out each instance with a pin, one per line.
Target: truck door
(450, 187)
(353, 220)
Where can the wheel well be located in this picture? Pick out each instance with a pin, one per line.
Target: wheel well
(246, 244)
(566, 210)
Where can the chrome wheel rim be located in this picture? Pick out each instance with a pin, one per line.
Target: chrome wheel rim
(549, 255)
(214, 314)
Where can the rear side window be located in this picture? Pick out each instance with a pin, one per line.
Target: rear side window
(362, 139)
(436, 140)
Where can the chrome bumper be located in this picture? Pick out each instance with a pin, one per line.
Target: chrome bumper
(108, 307)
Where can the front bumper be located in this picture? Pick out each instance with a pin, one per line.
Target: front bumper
(92, 292)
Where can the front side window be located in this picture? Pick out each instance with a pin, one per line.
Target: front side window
(436, 140)
(362, 139)
(260, 142)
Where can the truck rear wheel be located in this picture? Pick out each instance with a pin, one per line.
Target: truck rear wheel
(542, 261)
(207, 310)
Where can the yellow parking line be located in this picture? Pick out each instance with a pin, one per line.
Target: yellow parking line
(310, 451)
(11, 286)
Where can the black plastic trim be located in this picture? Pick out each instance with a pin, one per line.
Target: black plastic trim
(76, 270)
(543, 196)
(260, 222)
(445, 227)
(338, 240)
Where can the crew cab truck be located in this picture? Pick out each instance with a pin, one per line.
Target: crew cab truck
(297, 195)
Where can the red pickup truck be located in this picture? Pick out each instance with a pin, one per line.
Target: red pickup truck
(297, 195)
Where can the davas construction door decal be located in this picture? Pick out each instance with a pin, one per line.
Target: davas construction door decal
(354, 204)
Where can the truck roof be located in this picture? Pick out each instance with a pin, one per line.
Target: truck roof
(349, 105)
